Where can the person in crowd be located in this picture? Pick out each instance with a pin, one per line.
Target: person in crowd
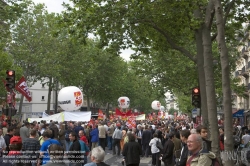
(97, 157)
(155, 151)
(221, 138)
(94, 137)
(146, 137)
(184, 134)
(5, 125)
(44, 156)
(83, 137)
(78, 128)
(198, 156)
(8, 136)
(2, 144)
(24, 131)
(86, 131)
(117, 136)
(41, 128)
(61, 135)
(132, 151)
(54, 130)
(74, 154)
(168, 151)
(203, 131)
(245, 138)
(139, 134)
(67, 140)
(124, 134)
(176, 141)
(14, 155)
(110, 132)
(102, 135)
(56, 153)
(30, 148)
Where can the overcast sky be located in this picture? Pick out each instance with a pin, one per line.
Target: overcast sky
(56, 7)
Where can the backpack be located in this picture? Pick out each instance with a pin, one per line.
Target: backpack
(84, 147)
(159, 145)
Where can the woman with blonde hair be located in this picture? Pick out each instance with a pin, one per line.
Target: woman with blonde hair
(124, 134)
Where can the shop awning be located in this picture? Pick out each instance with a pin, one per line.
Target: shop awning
(239, 114)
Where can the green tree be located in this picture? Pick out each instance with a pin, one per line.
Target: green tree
(34, 48)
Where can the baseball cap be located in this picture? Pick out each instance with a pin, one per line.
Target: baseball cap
(16, 140)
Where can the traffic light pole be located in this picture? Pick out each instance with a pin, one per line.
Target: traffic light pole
(10, 105)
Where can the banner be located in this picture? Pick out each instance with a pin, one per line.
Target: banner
(22, 87)
(140, 117)
(100, 115)
(131, 121)
(66, 116)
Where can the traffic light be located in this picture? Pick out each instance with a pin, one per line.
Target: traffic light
(10, 79)
(196, 98)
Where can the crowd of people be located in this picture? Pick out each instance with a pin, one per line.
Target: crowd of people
(70, 143)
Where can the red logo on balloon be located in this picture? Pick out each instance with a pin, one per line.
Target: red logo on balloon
(78, 98)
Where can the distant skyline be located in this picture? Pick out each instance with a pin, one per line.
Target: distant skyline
(55, 6)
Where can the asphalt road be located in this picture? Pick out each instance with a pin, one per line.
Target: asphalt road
(114, 160)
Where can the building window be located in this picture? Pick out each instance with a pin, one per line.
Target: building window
(43, 85)
(42, 98)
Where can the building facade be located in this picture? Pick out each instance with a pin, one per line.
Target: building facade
(242, 72)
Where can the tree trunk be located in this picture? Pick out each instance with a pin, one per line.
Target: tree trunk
(49, 95)
(226, 89)
(56, 97)
(88, 103)
(201, 73)
(107, 111)
(209, 76)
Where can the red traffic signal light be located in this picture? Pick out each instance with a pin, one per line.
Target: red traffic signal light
(10, 72)
(196, 90)
(196, 98)
(10, 79)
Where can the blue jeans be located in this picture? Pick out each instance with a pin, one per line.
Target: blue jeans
(67, 145)
(110, 139)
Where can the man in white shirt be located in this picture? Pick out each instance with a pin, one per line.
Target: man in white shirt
(246, 138)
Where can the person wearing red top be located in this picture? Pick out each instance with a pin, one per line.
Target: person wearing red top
(13, 158)
(83, 137)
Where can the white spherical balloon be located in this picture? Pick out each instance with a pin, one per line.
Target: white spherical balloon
(123, 102)
(70, 98)
(162, 108)
(156, 105)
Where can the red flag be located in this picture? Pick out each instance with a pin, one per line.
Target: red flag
(129, 113)
(22, 87)
(91, 122)
(119, 113)
(100, 114)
